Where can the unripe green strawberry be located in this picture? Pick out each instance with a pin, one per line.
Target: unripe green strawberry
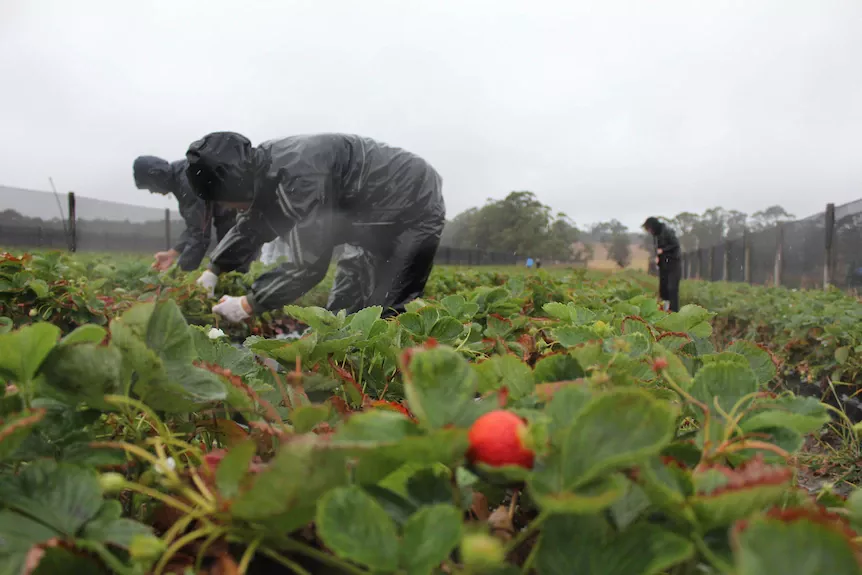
(146, 547)
(112, 482)
(480, 551)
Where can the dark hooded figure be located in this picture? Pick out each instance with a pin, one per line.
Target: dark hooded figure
(318, 192)
(160, 177)
(668, 261)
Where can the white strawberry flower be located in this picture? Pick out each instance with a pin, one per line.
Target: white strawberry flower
(215, 333)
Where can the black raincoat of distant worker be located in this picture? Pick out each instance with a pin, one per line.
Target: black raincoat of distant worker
(668, 261)
(317, 192)
(160, 177)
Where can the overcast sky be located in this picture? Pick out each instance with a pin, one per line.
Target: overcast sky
(603, 108)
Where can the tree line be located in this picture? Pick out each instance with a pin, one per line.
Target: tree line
(520, 223)
(716, 225)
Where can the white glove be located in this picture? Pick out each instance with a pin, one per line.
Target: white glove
(230, 308)
(209, 281)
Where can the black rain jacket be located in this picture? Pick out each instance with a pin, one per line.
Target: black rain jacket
(666, 241)
(318, 192)
(158, 175)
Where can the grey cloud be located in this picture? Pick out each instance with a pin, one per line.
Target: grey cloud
(604, 108)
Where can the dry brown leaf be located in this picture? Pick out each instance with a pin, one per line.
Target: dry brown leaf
(224, 565)
(501, 524)
(229, 431)
(480, 506)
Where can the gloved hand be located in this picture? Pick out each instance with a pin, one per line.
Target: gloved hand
(209, 281)
(233, 309)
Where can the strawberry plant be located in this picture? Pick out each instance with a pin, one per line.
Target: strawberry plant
(549, 423)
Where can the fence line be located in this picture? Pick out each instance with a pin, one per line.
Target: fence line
(819, 251)
(80, 234)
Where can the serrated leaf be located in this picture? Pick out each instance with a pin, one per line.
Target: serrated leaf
(690, 319)
(239, 360)
(572, 335)
(24, 350)
(440, 386)
(637, 344)
(842, 354)
(801, 414)
(570, 313)
(110, 528)
(62, 496)
(234, 467)
(168, 333)
(15, 428)
(355, 527)
(571, 544)
(631, 325)
(759, 359)
(565, 406)
(301, 472)
(725, 382)
(39, 287)
(317, 318)
(774, 547)
(184, 388)
(446, 329)
(429, 316)
(88, 333)
(306, 417)
(557, 367)
(615, 430)
(412, 322)
(429, 537)
(718, 502)
(82, 372)
(363, 320)
(18, 534)
(644, 550)
(505, 371)
(454, 304)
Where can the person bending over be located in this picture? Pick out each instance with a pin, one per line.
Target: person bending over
(317, 192)
(160, 177)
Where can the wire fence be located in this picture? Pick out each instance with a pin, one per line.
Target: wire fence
(91, 225)
(818, 251)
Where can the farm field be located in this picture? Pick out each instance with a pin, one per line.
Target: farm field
(553, 422)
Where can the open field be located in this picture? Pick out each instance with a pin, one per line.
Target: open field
(511, 422)
(639, 259)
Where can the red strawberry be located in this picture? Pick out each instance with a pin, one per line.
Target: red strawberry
(497, 439)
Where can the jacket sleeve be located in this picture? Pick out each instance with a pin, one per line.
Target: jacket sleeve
(241, 244)
(195, 239)
(310, 241)
(667, 242)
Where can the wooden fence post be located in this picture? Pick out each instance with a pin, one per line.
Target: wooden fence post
(828, 263)
(746, 246)
(779, 254)
(167, 229)
(73, 232)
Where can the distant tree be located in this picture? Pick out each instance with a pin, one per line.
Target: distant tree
(735, 224)
(518, 223)
(769, 218)
(685, 224)
(616, 238)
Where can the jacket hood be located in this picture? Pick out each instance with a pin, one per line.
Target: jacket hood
(654, 225)
(221, 167)
(154, 174)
